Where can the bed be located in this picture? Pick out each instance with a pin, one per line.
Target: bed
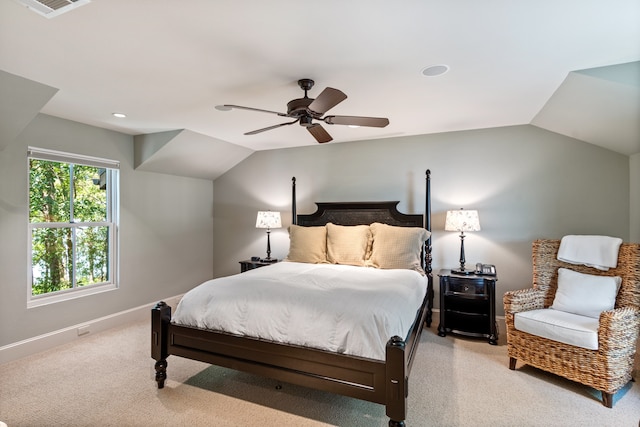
(381, 379)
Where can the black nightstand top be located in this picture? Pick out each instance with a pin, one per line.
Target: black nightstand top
(250, 265)
(449, 272)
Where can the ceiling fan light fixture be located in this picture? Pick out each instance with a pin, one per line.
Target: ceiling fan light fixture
(306, 121)
(435, 70)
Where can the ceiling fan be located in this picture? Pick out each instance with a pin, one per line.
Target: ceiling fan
(306, 110)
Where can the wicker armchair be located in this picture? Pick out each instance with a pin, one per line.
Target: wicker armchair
(607, 369)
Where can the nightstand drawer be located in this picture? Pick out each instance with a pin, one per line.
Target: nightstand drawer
(466, 286)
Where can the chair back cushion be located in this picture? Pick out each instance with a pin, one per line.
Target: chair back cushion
(585, 294)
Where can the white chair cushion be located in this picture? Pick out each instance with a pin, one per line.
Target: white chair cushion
(585, 294)
(568, 328)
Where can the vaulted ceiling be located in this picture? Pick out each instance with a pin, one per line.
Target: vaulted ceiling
(572, 67)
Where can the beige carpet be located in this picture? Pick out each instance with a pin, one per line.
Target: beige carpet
(107, 380)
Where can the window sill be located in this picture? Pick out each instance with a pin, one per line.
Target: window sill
(39, 301)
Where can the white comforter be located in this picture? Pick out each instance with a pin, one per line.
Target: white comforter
(339, 308)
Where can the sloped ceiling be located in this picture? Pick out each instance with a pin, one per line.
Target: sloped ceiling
(552, 64)
(186, 153)
(20, 101)
(600, 106)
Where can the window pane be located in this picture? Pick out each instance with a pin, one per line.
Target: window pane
(92, 256)
(48, 191)
(51, 255)
(71, 223)
(90, 194)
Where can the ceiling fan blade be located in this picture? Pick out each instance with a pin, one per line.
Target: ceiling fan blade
(327, 99)
(240, 107)
(253, 132)
(376, 122)
(319, 133)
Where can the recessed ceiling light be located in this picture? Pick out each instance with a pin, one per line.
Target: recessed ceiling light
(435, 70)
(223, 108)
(119, 115)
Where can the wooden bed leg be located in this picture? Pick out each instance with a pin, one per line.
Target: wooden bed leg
(160, 319)
(512, 363)
(161, 372)
(396, 382)
(607, 399)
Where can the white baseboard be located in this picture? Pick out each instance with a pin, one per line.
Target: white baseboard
(52, 339)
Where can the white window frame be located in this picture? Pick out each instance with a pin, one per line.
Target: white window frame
(113, 217)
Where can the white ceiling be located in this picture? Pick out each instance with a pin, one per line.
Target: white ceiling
(167, 64)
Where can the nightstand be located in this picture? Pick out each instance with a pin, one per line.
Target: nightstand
(250, 265)
(467, 305)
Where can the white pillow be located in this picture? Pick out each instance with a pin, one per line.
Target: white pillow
(585, 294)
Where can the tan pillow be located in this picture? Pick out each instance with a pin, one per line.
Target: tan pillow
(397, 247)
(348, 244)
(307, 244)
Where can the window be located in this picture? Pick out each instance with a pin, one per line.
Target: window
(73, 213)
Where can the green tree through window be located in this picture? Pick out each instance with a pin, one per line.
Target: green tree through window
(71, 222)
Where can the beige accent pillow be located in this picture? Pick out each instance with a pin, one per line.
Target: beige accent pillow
(397, 247)
(348, 244)
(307, 244)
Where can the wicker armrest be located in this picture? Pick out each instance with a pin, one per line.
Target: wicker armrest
(619, 328)
(523, 300)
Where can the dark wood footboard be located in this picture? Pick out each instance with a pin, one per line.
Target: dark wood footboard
(384, 382)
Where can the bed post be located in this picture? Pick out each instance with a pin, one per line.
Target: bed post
(294, 219)
(397, 378)
(160, 318)
(427, 219)
(427, 254)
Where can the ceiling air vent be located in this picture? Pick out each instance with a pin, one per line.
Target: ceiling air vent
(51, 8)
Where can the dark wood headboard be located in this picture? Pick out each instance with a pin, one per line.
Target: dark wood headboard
(359, 213)
(365, 213)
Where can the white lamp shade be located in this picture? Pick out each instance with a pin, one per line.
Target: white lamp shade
(268, 219)
(462, 220)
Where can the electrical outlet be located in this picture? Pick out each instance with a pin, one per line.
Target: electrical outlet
(83, 330)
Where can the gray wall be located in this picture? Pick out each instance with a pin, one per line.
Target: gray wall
(526, 183)
(165, 231)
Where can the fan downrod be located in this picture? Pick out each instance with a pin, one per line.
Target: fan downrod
(299, 107)
(305, 85)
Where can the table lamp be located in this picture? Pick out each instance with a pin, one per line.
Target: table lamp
(268, 220)
(461, 220)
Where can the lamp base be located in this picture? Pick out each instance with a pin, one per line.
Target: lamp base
(463, 272)
(269, 259)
